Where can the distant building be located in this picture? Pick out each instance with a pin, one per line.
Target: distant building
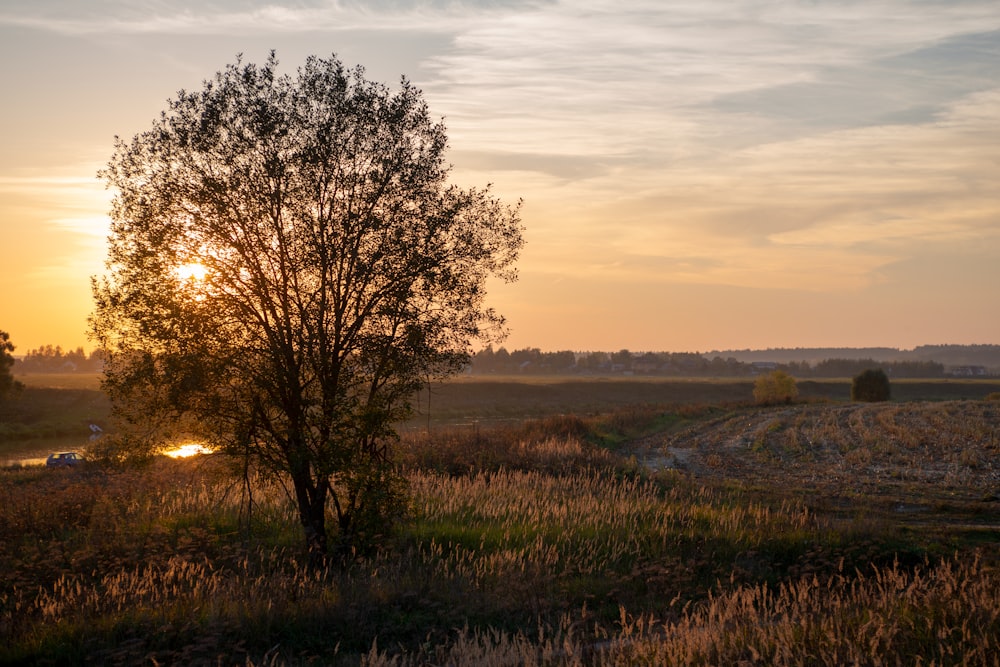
(968, 371)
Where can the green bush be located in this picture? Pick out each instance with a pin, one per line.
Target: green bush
(871, 385)
(775, 387)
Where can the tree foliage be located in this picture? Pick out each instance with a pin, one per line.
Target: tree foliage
(288, 265)
(898, 369)
(775, 387)
(8, 385)
(871, 385)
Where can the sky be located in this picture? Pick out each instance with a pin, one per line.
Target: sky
(696, 174)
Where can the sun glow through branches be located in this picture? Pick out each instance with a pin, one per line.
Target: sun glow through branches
(192, 271)
(187, 449)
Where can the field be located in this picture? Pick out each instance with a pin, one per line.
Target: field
(629, 522)
(517, 397)
(61, 380)
(51, 407)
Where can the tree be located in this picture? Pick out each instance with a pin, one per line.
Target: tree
(775, 387)
(622, 359)
(561, 361)
(526, 360)
(871, 385)
(8, 385)
(594, 361)
(287, 267)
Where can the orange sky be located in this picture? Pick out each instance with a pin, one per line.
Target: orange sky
(695, 176)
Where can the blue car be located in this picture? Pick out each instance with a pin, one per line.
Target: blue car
(63, 460)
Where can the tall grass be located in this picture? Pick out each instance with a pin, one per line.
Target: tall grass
(940, 614)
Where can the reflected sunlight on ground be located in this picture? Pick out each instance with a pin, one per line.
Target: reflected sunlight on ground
(187, 449)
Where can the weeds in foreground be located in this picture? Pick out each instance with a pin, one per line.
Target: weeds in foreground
(938, 614)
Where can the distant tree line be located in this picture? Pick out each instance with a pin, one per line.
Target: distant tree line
(949, 355)
(894, 369)
(533, 361)
(49, 359)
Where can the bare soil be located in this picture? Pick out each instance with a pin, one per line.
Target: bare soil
(921, 463)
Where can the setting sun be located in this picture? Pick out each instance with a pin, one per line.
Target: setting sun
(195, 271)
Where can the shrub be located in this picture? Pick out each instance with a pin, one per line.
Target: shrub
(120, 451)
(775, 387)
(871, 385)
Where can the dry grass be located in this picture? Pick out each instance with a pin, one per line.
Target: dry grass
(940, 614)
(532, 546)
(851, 447)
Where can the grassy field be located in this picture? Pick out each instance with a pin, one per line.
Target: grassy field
(40, 412)
(538, 396)
(61, 380)
(710, 532)
(64, 405)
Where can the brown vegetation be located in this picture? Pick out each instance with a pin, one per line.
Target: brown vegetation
(941, 447)
(826, 534)
(775, 387)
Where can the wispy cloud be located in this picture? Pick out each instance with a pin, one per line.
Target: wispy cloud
(658, 133)
(73, 222)
(247, 18)
(822, 213)
(9, 183)
(605, 78)
(77, 204)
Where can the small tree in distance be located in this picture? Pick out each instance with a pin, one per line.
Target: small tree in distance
(871, 385)
(8, 385)
(774, 388)
(287, 267)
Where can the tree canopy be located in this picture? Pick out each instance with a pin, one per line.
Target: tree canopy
(287, 266)
(871, 385)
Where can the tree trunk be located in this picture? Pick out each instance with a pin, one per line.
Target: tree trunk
(311, 499)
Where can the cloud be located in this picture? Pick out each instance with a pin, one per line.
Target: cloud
(907, 88)
(79, 203)
(94, 227)
(606, 77)
(34, 183)
(653, 146)
(231, 18)
(691, 254)
(63, 221)
(828, 212)
(771, 144)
